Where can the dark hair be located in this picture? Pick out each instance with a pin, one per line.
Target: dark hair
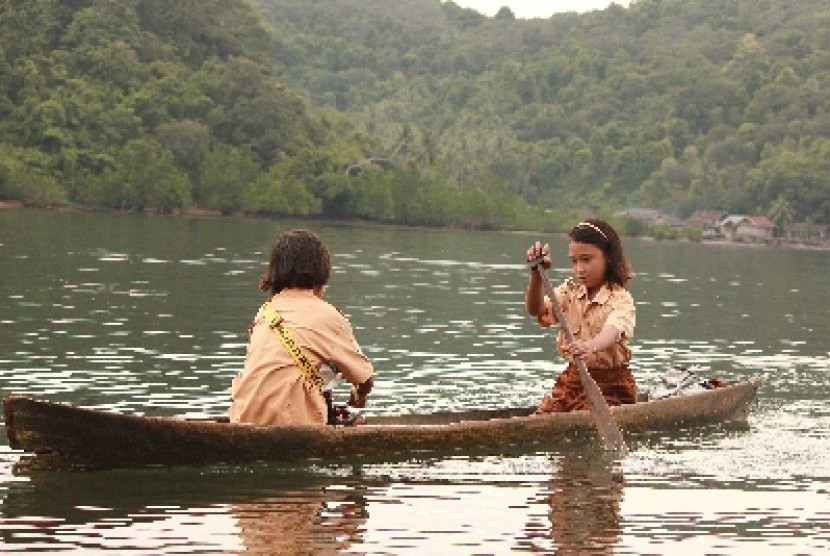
(299, 259)
(603, 235)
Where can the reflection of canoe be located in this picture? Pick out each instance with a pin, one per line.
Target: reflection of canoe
(64, 436)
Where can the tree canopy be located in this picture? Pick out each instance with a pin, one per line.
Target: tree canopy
(673, 104)
(417, 111)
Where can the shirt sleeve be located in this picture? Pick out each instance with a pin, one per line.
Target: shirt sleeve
(347, 355)
(623, 313)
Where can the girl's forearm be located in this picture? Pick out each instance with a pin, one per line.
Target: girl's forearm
(605, 339)
(534, 296)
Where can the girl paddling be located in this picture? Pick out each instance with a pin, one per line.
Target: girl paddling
(600, 313)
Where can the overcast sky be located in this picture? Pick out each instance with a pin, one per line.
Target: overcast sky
(537, 8)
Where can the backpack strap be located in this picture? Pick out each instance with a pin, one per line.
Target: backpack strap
(275, 322)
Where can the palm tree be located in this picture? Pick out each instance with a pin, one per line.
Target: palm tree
(781, 213)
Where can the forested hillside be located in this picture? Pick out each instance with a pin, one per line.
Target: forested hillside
(157, 105)
(670, 104)
(417, 111)
(122, 104)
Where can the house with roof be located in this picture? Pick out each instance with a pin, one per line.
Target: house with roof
(707, 221)
(739, 227)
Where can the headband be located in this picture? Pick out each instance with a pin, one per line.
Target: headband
(593, 227)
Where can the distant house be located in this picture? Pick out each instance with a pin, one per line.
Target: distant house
(737, 227)
(707, 221)
(671, 221)
(798, 232)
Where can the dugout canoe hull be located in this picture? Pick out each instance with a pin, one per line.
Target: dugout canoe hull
(62, 436)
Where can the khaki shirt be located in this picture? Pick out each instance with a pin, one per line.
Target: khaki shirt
(611, 306)
(271, 389)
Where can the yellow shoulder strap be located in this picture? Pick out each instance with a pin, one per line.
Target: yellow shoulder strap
(275, 321)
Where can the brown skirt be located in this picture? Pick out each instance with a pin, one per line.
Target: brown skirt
(617, 386)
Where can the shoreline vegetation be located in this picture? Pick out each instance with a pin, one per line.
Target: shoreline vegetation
(643, 231)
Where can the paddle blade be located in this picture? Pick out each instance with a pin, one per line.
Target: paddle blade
(609, 432)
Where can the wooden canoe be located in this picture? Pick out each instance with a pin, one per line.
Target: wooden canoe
(62, 436)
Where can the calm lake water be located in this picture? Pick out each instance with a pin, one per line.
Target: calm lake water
(148, 315)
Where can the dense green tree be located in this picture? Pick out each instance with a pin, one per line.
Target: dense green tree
(143, 175)
(781, 213)
(189, 142)
(20, 179)
(278, 192)
(374, 199)
(799, 174)
(226, 172)
(259, 112)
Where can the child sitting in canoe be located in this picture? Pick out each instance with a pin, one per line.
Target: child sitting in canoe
(297, 343)
(600, 313)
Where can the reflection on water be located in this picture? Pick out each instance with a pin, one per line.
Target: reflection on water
(541, 503)
(324, 521)
(280, 511)
(148, 315)
(574, 503)
(584, 496)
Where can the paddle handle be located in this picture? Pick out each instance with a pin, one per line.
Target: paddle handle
(609, 432)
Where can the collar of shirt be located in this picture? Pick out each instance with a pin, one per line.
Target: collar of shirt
(602, 296)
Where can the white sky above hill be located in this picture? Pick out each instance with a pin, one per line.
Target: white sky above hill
(528, 9)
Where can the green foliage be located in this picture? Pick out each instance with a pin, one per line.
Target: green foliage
(781, 213)
(628, 226)
(418, 111)
(143, 175)
(259, 113)
(693, 234)
(673, 104)
(20, 179)
(663, 232)
(278, 192)
(807, 230)
(793, 181)
(188, 141)
(124, 99)
(226, 172)
(373, 197)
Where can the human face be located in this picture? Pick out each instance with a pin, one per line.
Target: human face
(589, 264)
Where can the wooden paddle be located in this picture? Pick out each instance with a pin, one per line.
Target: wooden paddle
(609, 432)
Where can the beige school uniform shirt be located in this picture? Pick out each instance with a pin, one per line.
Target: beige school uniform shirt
(612, 305)
(271, 389)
